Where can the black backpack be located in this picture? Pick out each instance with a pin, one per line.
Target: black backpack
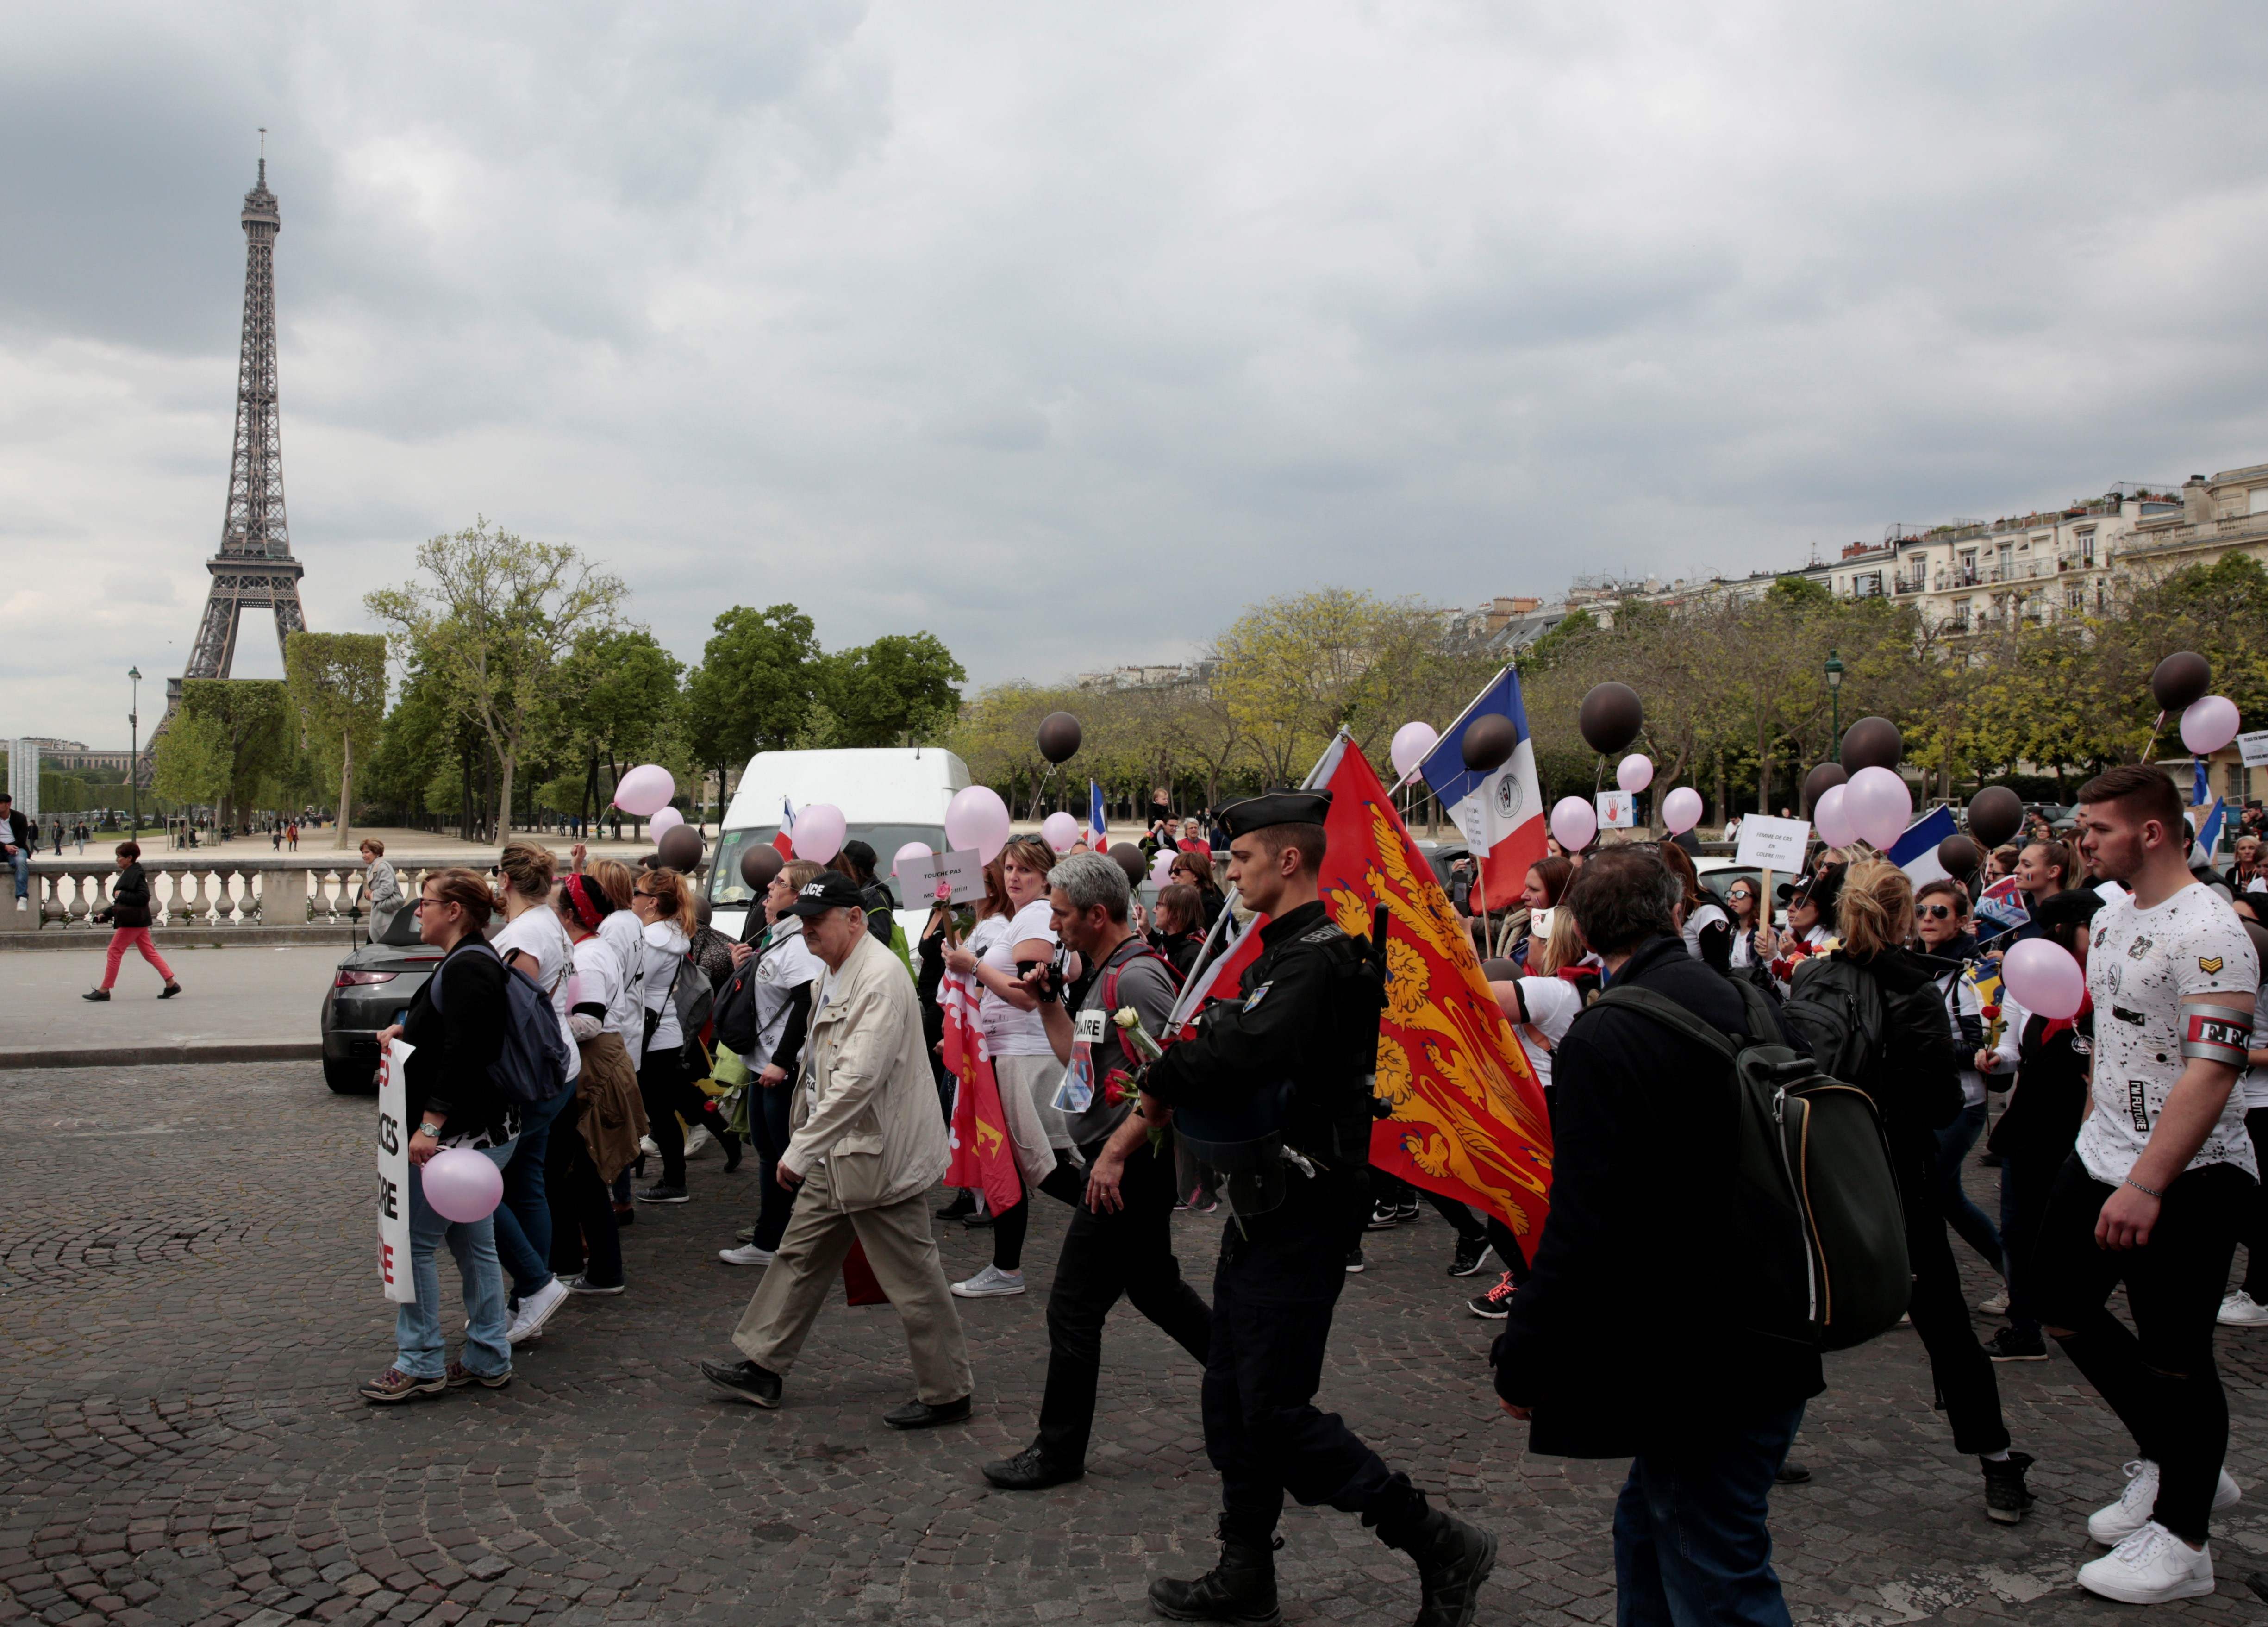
(532, 1067)
(1811, 1157)
(1835, 1010)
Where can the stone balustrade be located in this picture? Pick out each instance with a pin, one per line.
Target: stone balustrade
(206, 890)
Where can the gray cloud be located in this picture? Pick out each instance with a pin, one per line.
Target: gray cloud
(934, 318)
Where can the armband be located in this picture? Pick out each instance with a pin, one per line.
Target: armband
(2217, 1033)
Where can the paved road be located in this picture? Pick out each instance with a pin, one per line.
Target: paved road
(187, 1299)
(240, 993)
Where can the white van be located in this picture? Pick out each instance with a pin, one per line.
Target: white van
(889, 795)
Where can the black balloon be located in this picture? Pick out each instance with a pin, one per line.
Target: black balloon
(1995, 813)
(1129, 859)
(1959, 856)
(1501, 970)
(1819, 782)
(2181, 680)
(1059, 737)
(680, 848)
(1872, 743)
(759, 864)
(1610, 716)
(1489, 742)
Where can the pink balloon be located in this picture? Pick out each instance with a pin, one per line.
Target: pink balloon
(2209, 724)
(1411, 743)
(1831, 818)
(461, 1184)
(912, 852)
(668, 819)
(2045, 978)
(1161, 867)
(1574, 821)
(976, 820)
(1879, 805)
(644, 791)
(1059, 830)
(818, 832)
(1680, 809)
(1634, 773)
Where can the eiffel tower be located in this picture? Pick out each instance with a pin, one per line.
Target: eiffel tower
(255, 569)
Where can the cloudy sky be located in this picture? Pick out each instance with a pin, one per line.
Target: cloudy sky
(1061, 331)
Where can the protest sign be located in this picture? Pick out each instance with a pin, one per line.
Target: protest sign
(393, 1175)
(1768, 843)
(960, 873)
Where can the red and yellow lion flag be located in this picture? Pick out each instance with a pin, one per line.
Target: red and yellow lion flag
(1468, 1119)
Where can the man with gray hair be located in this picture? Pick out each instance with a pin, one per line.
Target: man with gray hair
(1120, 1237)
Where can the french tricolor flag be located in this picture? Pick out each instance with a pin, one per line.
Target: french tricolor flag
(1502, 813)
(1098, 827)
(783, 840)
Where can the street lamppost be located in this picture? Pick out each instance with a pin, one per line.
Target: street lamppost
(134, 756)
(1835, 693)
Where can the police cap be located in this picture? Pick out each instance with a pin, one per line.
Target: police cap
(1277, 807)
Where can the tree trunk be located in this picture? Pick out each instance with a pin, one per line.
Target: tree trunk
(1763, 764)
(503, 814)
(1721, 808)
(346, 789)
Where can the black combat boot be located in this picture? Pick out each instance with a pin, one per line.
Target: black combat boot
(1454, 1559)
(1241, 1588)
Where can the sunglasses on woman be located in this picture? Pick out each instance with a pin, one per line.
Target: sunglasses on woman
(1937, 912)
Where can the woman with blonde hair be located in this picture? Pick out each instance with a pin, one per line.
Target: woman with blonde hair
(662, 899)
(1014, 932)
(1911, 1068)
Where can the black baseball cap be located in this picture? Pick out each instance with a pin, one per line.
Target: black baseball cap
(831, 890)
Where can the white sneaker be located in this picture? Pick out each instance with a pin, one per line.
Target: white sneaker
(2242, 1310)
(699, 1142)
(1997, 1306)
(649, 1147)
(746, 1253)
(991, 1283)
(2136, 1503)
(2150, 1567)
(536, 1309)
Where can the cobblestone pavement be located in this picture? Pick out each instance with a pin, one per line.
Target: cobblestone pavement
(187, 1297)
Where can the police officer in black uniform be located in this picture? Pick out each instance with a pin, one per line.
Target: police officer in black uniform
(1272, 1108)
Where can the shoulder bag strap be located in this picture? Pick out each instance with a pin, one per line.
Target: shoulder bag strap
(1669, 1014)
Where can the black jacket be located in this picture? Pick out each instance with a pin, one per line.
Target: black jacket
(1623, 1336)
(18, 830)
(129, 897)
(1916, 1076)
(459, 1043)
(2043, 1114)
(1179, 949)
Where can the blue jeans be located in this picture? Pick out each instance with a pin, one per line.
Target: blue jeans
(419, 1350)
(1691, 1545)
(21, 862)
(1968, 1221)
(523, 1220)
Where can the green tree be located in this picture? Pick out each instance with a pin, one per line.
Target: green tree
(492, 615)
(900, 687)
(338, 686)
(192, 762)
(616, 698)
(252, 721)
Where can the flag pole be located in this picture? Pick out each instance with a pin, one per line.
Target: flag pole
(1459, 719)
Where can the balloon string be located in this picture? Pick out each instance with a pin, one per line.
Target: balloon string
(2150, 752)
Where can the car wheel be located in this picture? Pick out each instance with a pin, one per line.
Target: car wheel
(350, 1079)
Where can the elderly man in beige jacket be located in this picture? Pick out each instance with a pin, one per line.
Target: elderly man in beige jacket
(867, 1147)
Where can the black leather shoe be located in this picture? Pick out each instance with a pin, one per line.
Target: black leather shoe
(744, 1380)
(1791, 1473)
(921, 1415)
(963, 1205)
(1454, 1559)
(1241, 1589)
(1030, 1471)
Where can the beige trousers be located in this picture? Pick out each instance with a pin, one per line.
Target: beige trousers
(809, 1264)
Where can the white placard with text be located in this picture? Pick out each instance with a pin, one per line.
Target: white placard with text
(2254, 749)
(962, 873)
(393, 1175)
(1770, 843)
(1617, 810)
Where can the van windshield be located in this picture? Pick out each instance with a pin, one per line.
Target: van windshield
(728, 891)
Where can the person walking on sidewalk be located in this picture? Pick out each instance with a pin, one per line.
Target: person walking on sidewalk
(1121, 1242)
(129, 917)
(866, 1148)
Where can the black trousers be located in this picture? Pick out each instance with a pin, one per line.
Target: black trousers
(1963, 1373)
(584, 1236)
(1280, 1275)
(667, 1085)
(2255, 1236)
(768, 1108)
(2159, 1377)
(1129, 1252)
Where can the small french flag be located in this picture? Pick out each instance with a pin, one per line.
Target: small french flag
(1098, 828)
(785, 840)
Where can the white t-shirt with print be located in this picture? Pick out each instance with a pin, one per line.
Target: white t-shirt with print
(784, 964)
(1553, 1005)
(538, 934)
(623, 933)
(2142, 964)
(599, 978)
(1007, 1031)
